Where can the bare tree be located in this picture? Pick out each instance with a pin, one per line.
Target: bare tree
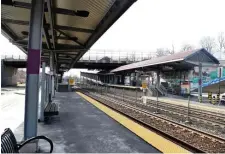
(187, 47)
(208, 43)
(164, 52)
(21, 76)
(221, 42)
(132, 56)
(172, 51)
(161, 52)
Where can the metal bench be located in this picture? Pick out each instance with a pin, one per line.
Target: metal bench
(51, 109)
(10, 145)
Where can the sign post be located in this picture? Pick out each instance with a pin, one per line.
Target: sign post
(144, 88)
(189, 97)
(71, 81)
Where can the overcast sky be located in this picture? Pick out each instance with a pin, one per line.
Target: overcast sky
(152, 24)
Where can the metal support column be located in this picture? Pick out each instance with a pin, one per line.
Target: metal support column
(136, 95)
(123, 94)
(43, 81)
(97, 83)
(114, 92)
(157, 87)
(57, 82)
(200, 83)
(220, 75)
(33, 66)
(55, 78)
(47, 88)
(52, 74)
(189, 97)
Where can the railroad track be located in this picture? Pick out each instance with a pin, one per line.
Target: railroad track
(216, 119)
(213, 126)
(193, 139)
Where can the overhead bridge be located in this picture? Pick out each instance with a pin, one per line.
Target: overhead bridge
(93, 59)
(84, 64)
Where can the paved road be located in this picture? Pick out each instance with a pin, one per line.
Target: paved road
(12, 108)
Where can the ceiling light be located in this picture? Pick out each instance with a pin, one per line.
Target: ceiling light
(82, 13)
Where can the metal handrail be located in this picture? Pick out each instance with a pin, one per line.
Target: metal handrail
(104, 55)
(24, 57)
(163, 89)
(117, 56)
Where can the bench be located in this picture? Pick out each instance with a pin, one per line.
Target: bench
(51, 109)
(10, 145)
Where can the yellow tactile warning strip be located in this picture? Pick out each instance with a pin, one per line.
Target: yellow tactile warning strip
(152, 138)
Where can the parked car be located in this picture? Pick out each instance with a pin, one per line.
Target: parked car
(223, 100)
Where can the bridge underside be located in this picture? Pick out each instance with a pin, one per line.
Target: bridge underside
(15, 64)
(78, 65)
(98, 66)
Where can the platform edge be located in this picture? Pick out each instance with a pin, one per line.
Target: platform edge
(150, 137)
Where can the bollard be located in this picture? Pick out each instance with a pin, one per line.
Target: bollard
(200, 99)
(218, 98)
(210, 97)
(214, 100)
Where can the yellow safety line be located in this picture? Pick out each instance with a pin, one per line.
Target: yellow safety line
(152, 138)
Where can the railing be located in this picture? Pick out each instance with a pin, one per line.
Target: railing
(10, 57)
(163, 89)
(110, 56)
(116, 56)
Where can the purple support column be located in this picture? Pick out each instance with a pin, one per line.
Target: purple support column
(33, 66)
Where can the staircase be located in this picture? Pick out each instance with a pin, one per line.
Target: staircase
(152, 90)
(168, 89)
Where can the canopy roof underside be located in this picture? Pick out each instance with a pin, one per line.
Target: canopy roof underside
(65, 32)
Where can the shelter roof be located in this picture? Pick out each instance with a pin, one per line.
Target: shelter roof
(70, 27)
(180, 60)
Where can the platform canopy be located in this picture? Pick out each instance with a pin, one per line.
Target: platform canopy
(70, 27)
(179, 61)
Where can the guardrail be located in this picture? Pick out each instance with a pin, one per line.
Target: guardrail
(116, 56)
(110, 56)
(14, 57)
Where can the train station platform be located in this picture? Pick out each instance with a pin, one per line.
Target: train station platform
(193, 104)
(83, 128)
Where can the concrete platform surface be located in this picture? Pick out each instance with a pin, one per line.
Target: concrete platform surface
(82, 128)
